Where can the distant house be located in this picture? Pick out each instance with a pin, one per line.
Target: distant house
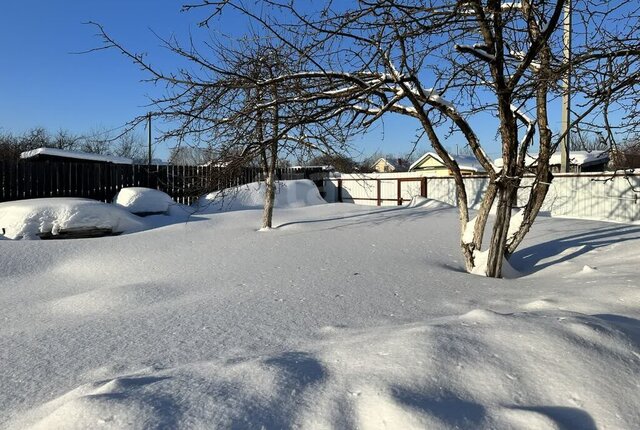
(579, 161)
(383, 165)
(54, 154)
(433, 164)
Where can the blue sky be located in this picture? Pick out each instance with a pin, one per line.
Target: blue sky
(42, 83)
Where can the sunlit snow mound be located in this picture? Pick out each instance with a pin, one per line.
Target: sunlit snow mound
(26, 219)
(424, 202)
(139, 200)
(480, 370)
(289, 194)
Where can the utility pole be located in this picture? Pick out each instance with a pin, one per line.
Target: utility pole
(566, 96)
(149, 127)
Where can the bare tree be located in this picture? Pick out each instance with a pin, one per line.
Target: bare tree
(190, 156)
(129, 145)
(64, 139)
(235, 101)
(12, 146)
(444, 63)
(97, 141)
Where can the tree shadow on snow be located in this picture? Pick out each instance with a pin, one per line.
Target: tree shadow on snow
(130, 391)
(452, 410)
(530, 259)
(299, 368)
(564, 417)
(375, 217)
(629, 326)
(297, 371)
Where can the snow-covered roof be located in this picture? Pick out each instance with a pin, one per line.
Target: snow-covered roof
(397, 164)
(384, 160)
(577, 158)
(465, 162)
(54, 152)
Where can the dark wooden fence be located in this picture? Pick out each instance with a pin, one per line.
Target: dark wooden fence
(30, 180)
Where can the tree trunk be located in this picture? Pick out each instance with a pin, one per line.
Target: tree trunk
(507, 186)
(271, 163)
(500, 230)
(269, 200)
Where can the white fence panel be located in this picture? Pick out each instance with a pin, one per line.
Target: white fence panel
(476, 188)
(595, 196)
(443, 189)
(363, 190)
(409, 189)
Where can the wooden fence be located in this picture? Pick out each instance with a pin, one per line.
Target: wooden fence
(29, 180)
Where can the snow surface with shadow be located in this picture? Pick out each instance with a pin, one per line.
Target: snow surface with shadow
(342, 317)
(479, 370)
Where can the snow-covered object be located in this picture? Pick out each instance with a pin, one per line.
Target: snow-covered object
(289, 194)
(26, 219)
(139, 200)
(77, 155)
(577, 158)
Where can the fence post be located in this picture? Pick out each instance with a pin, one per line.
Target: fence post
(423, 187)
(399, 191)
(379, 192)
(340, 190)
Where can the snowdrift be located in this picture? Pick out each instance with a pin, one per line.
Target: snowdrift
(427, 203)
(26, 219)
(478, 370)
(289, 194)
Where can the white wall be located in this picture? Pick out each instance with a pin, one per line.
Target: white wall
(594, 196)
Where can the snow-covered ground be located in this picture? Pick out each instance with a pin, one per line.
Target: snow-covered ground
(342, 316)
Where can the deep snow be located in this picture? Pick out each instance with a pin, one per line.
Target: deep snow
(342, 316)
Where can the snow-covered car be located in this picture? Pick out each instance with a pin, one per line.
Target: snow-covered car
(143, 201)
(61, 217)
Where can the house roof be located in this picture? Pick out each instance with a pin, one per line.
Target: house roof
(465, 162)
(394, 163)
(54, 152)
(384, 160)
(576, 158)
